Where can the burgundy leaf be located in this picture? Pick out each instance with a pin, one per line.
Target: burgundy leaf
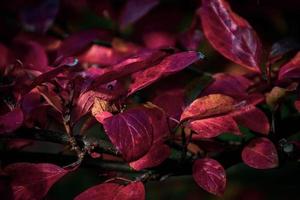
(51, 97)
(131, 133)
(79, 41)
(31, 54)
(260, 153)
(191, 38)
(30, 101)
(167, 66)
(106, 191)
(135, 9)
(210, 175)
(156, 155)
(172, 101)
(252, 118)
(11, 121)
(6, 57)
(67, 63)
(230, 34)
(39, 17)
(17, 144)
(214, 104)
(297, 105)
(33, 181)
(234, 86)
(212, 127)
(291, 69)
(128, 66)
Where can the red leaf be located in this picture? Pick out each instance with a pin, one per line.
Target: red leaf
(260, 153)
(210, 176)
(159, 39)
(33, 181)
(131, 133)
(230, 34)
(156, 155)
(136, 9)
(212, 127)
(167, 66)
(291, 69)
(252, 118)
(11, 121)
(113, 191)
(211, 105)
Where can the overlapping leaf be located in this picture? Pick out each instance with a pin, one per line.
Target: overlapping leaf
(230, 34)
(211, 115)
(167, 66)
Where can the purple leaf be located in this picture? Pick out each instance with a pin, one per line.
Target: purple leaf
(234, 86)
(131, 133)
(39, 17)
(136, 9)
(230, 34)
(77, 42)
(33, 181)
(210, 176)
(11, 121)
(260, 153)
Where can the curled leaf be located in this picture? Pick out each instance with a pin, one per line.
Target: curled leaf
(210, 175)
(230, 34)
